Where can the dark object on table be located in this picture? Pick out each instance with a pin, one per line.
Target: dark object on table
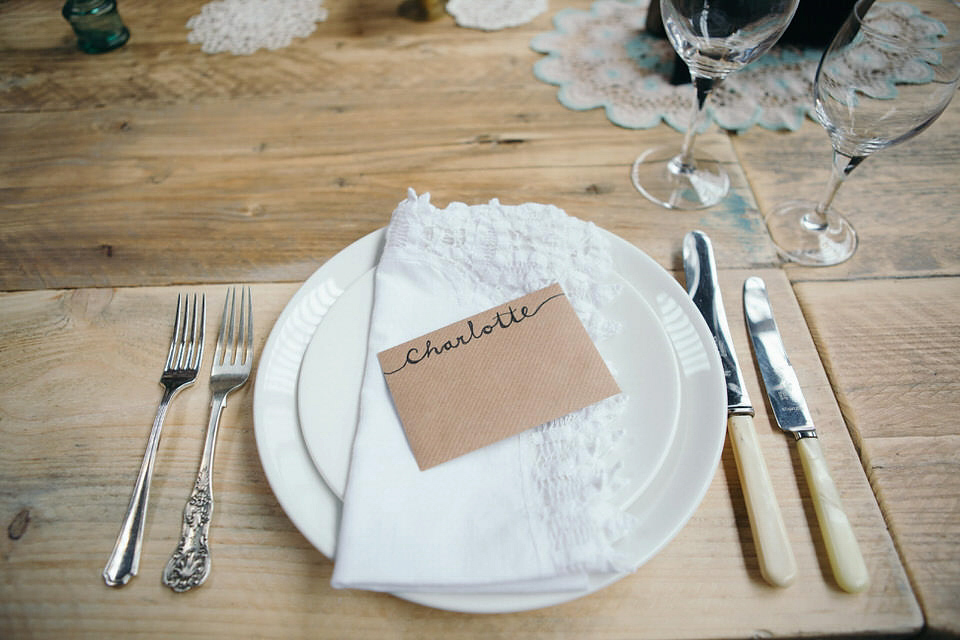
(814, 25)
(97, 24)
(422, 10)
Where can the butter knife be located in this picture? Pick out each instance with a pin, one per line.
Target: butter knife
(777, 563)
(792, 415)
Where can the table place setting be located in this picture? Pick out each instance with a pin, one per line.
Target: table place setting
(190, 564)
(543, 383)
(536, 517)
(464, 463)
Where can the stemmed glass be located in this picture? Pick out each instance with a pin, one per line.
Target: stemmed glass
(714, 38)
(890, 71)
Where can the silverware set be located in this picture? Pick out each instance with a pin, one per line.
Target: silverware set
(777, 563)
(189, 565)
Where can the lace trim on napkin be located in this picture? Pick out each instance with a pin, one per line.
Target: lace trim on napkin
(570, 482)
(244, 26)
(492, 15)
(514, 250)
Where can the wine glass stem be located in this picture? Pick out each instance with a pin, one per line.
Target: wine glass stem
(842, 166)
(704, 87)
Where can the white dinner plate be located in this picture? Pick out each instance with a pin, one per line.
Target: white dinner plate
(640, 355)
(666, 503)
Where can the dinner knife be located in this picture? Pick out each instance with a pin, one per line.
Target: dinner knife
(777, 563)
(792, 415)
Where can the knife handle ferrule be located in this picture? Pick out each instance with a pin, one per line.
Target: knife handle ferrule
(740, 410)
(804, 433)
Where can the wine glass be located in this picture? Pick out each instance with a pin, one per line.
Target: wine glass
(714, 38)
(890, 71)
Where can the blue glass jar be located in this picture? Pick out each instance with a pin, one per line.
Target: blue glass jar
(97, 24)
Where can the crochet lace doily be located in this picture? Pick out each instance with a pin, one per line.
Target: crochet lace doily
(244, 26)
(491, 15)
(604, 58)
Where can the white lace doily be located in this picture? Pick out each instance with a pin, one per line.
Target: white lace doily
(244, 26)
(604, 58)
(491, 15)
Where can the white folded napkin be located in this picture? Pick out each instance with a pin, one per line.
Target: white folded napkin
(533, 512)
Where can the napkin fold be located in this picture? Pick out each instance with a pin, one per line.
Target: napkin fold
(534, 512)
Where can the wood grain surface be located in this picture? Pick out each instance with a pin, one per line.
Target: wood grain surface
(891, 350)
(78, 395)
(128, 177)
(157, 164)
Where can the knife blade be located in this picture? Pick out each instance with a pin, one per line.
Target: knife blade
(774, 553)
(792, 415)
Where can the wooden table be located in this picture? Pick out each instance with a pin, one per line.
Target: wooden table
(129, 177)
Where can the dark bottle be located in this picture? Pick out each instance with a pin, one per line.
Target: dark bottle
(97, 24)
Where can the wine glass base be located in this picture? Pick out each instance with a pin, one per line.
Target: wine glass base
(660, 176)
(799, 239)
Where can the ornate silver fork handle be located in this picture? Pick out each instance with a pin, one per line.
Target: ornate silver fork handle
(189, 565)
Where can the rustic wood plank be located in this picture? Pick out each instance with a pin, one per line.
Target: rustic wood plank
(69, 463)
(890, 348)
(916, 483)
(159, 165)
(227, 191)
(361, 46)
(149, 164)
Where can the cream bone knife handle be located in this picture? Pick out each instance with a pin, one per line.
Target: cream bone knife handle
(777, 563)
(843, 551)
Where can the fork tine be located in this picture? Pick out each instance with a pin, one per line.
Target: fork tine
(248, 354)
(185, 347)
(181, 332)
(242, 328)
(174, 339)
(196, 335)
(218, 354)
(231, 350)
(189, 336)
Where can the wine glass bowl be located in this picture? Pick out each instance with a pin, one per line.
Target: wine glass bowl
(714, 38)
(889, 72)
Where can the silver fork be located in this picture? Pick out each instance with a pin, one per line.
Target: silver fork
(189, 565)
(179, 371)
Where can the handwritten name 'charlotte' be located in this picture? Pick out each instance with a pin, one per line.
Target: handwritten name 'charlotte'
(501, 320)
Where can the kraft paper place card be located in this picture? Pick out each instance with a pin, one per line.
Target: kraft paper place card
(495, 374)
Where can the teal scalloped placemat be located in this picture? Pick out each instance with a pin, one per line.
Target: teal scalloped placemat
(604, 58)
